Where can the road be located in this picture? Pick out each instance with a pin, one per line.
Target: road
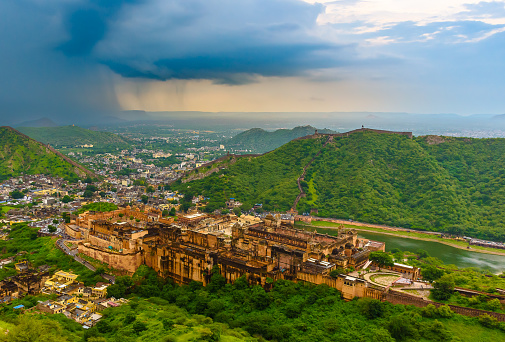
(73, 253)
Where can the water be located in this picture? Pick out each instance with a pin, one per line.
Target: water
(448, 254)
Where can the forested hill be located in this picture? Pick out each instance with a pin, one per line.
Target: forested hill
(72, 136)
(258, 140)
(21, 154)
(430, 183)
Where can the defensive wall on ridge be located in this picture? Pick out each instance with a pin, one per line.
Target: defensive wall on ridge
(346, 134)
(190, 175)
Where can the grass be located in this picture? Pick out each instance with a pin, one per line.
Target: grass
(384, 279)
(414, 292)
(462, 330)
(313, 191)
(5, 326)
(6, 208)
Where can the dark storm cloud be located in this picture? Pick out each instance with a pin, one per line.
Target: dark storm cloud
(86, 24)
(226, 41)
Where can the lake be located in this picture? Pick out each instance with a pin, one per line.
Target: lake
(448, 254)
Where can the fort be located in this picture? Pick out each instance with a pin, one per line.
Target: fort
(188, 249)
(195, 245)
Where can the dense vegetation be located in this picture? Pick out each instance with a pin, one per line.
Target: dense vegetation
(428, 183)
(72, 136)
(19, 154)
(258, 140)
(289, 312)
(96, 206)
(270, 180)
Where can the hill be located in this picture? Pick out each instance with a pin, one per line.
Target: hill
(72, 136)
(42, 122)
(258, 140)
(21, 154)
(429, 183)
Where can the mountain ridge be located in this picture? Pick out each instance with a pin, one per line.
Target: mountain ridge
(21, 154)
(426, 182)
(72, 136)
(258, 140)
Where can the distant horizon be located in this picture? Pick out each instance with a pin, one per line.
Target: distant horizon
(87, 60)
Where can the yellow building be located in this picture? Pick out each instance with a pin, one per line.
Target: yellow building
(100, 291)
(59, 281)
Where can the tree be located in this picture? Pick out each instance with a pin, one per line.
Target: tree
(56, 221)
(372, 308)
(144, 199)
(431, 273)
(422, 253)
(237, 211)
(66, 199)
(246, 207)
(52, 228)
(172, 211)
(91, 187)
(493, 305)
(88, 180)
(88, 194)
(217, 281)
(16, 194)
(164, 213)
(443, 288)
(102, 194)
(336, 272)
(381, 259)
(150, 189)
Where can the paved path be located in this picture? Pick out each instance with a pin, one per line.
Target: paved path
(73, 253)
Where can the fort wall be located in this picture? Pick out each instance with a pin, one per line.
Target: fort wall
(127, 261)
(405, 299)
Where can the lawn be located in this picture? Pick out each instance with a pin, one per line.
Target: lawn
(384, 279)
(6, 208)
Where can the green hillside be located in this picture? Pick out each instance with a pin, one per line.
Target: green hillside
(72, 136)
(20, 154)
(259, 141)
(429, 183)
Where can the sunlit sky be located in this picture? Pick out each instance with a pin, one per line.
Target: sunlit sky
(91, 57)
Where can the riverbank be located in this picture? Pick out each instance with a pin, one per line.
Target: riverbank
(405, 234)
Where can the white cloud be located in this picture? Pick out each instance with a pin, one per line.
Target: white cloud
(380, 14)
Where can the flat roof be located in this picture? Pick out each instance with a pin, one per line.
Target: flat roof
(192, 216)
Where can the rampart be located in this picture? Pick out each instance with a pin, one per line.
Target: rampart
(123, 261)
(405, 299)
(346, 134)
(202, 172)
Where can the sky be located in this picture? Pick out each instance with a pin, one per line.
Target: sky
(69, 59)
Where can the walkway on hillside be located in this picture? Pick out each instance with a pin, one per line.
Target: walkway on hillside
(302, 176)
